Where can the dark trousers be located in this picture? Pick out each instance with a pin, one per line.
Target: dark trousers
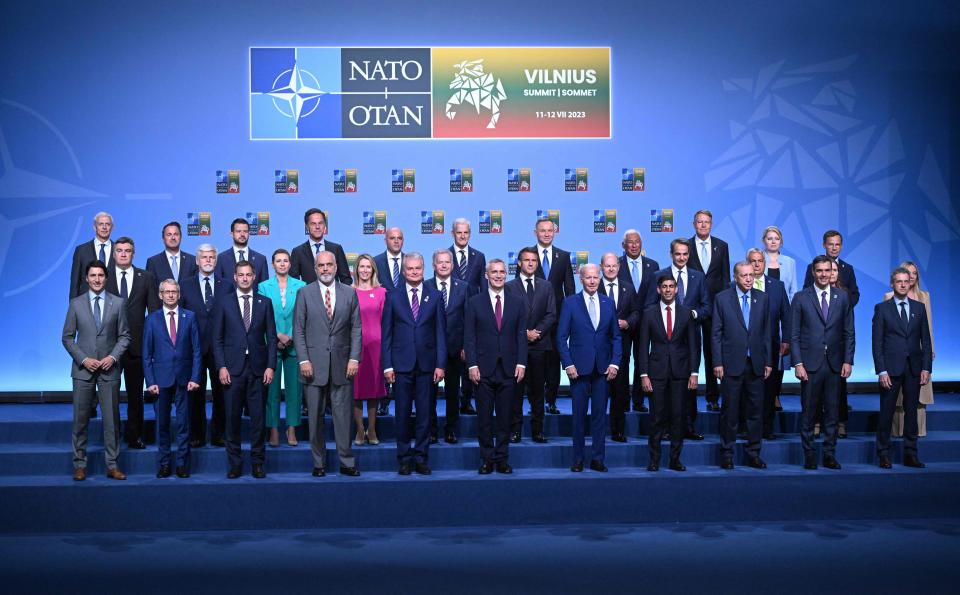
(821, 389)
(771, 390)
(451, 391)
(173, 396)
(466, 387)
(409, 388)
(750, 386)
(198, 404)
(620, 393)
(533, 385)
(632, 345)
(589, 388)
(712, 389)
(888, 401)
(551, 377)
(495, 394)
(666, 404)
(133, 379)
(247, 389)
(689, 408)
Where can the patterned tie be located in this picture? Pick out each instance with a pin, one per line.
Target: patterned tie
(530, 292)
(704, 255)
(745, 309)
(97, 318)
(103, 253)
(498, 313)
(443, 291)
(635, 275)
(545, 265)
(415, 304)
(326, 300)
(824, 307)
(175, 267)
(903, 313)
(680, 291)
(463, 264)
(173, 328)
(594, 318)
(317, 247)
(396, 272)
(669, 324)
(612, 294)
(123, 285)
(246, 312)
(242, 255)
(207, 291)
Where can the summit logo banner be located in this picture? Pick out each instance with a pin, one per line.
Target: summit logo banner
(303, 93)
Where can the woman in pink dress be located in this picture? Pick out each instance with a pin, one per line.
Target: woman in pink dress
(368, 385)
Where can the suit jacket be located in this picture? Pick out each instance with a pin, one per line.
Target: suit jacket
(227, 262)
(778, 304)
(541, 312)
(303, 262)
(718, 277)
(848, 280)
(675, 358)
(158, 265)
(191, 298)
(233, 345)
(561, 274)
(628, 307)
(733, 339)
(788, 275)
(896, 346)
(164, 363)
(142, 299)
(476, 268)
(385, 272)
(81, 338)
(815, 342)
(283, 314)
(695, 293)
(328, 344)
(83, 255)
(649, 268)
(485, 344)
(459, 293)
(407, 343)
(583, 346)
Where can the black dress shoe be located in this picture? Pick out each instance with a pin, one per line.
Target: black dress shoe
(653, 465)
(467, 409)
(485, 468)
(405, 468)
(183, 472)
(756, 463)
(539, 439)
(598, 466)
(258, 472)
(319, 472)
(552, 409)
(691, 435)
(515, 438)
(349, 471)
(676, 465)
(504, 468)
(434, 439)
(164, 471)
(218, 442)
(885, 462)
(641, 409)
(422, 468)
(810, 461)
(665, 437)
(830, 463)
(913, 461)
(577, 467)
(618, 437)
(713, 407)
(727, 464)
(233, 473)
(450, 438)
(137, 444)
(196, 444)
(383, 409)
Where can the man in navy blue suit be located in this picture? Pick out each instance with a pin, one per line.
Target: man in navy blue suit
(588, 339)
(241, 251)
(628, 318)
(171, 365)
(245, 352)
(455, 293)
(469, 265)
(303, 258)
(172, 262)
(741, 360)
(390, 261)
(200, 294)
(691, 292)
(903, 359)
(822, 345)
(669, 363)
(778, 304)
(413, 356)
(639, 271)
(495, 344)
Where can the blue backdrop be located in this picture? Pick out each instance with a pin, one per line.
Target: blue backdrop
(806, 115)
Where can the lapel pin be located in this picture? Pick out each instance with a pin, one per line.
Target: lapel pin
(426, 299)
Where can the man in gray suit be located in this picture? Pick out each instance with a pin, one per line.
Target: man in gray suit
(95, 334)
(326, 334)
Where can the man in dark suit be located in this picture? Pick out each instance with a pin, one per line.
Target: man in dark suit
(455, 293)
(138, 288)
(245, 353)
(241, 251)
(741, 360)
(639, 271)
(172, 262)
(541, 327)
(669, 363)
(95, 334)
(495, 344)
(711, 256)
(628, 319)
(822, 346)
(303, 257)
(171, 363)
(469, 265)
(413, 355)
(778, 304)
(588, 340)
(903, 360)
(691, 291)
(832, 245)
(390, 261)
(100, 248)
(554, 266)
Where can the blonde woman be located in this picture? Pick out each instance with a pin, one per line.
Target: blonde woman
(784, 268)
(926, 391)
(368, 385)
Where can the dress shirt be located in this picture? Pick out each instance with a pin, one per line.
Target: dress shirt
(677, 274)
(699, 248)
(897, 301)
(333, 295)
(246, 252)
(176, 318)
(549, 249)
(673, 318)
(449, 282)
(612, 292)
(203, 283)
(420, 293)
(107, 249)
(819, 293)
(465, 252)
(586, 302)
(503, 309)
(130, 276)
(313, 246)
(638, 261)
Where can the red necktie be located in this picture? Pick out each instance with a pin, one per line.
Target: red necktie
(173, 328)
(498, 312)
(329, 305)
(669, 324)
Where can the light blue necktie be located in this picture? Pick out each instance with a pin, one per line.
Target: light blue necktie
(594, 317)
(704, 255)
(175, 267)
(396, 272)
(635, 275)
(545, 265)
(97, 318)
(745, 308)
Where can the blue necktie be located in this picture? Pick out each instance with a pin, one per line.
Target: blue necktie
(463, 265)
(680, 291)
(443, 291)
(175, 267)
(103, 255)
(396, 272)
(635, 275)
(124, 289)
(745, 308)
(545, 265)
(96, 313)
(207, 291)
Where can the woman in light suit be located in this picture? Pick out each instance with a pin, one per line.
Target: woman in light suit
(282, 291)
(779, 266)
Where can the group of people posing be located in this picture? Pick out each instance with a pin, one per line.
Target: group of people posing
(339, 339)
